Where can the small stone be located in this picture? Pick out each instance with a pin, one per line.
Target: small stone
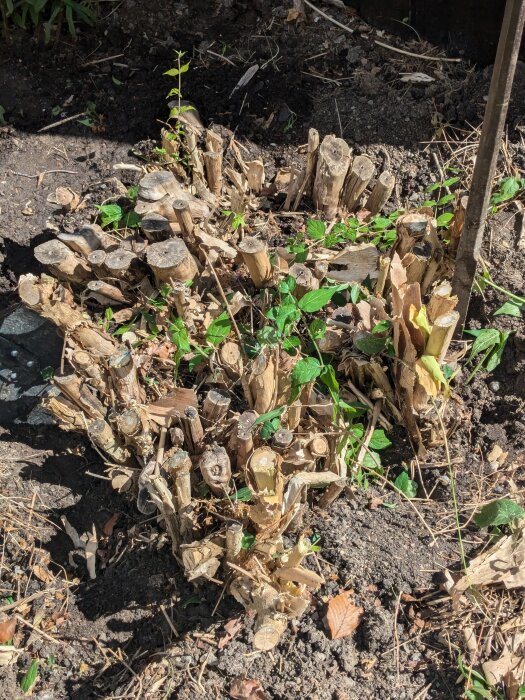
(14, 353)
(494, 386)
(12, 376)
(30, 363)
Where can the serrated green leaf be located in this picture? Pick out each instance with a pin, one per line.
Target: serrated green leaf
(219, 329)
(315, 300)
(379, 440)
(500, 512)
(30, 677)
(305, 371)
(110, 214)
(291, 343)
(315, 229)
(405, 484)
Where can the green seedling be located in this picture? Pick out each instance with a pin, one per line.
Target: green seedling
(406, 485)
(30, 676)
(49, 15)
(236, 221)
(498, 513)
(379, 229)
(515, 304)
(508, 189)
(476, 687)
(487, 349)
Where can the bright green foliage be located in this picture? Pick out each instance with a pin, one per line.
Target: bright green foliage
(48, 14)
(405, 484)
(29, 678)
(488, 346)
(248, 540)
(379, 229)
(507, 189)
(219, 329)
(497, 513)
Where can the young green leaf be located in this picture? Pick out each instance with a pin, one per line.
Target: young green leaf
(485, 338)
(327, 376)
(405, 484)
(315, 229)
(315, 300)
(382, 326)
(379, 440)
(305, 371)
(248, 540)
(501, 512)
(434, 369)
(29, 679)
(110, 214)
(510, 308)
(317, 329)
(444, 219)
(219, 329)
(276, 413)
(269, 428)
(244, 495)
(370, 344)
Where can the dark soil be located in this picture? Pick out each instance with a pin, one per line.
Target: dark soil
(114, 640)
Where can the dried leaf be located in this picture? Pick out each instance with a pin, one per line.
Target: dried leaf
(7, 629)
(8, 655)
(43, 574)
(247, 689)
(503, 563)
(230, 630)
(342, 616)
(109, 525)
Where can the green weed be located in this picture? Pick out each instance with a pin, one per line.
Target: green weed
(48, 15)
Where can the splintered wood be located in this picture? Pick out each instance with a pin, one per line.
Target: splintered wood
(227, 469)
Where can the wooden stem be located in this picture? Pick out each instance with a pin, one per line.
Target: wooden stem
(255, 175)
(184, 218)
(215, 405)
(441, 335)
(333, 491)
(358, 178)
(311, 164)
(75, 390)
(192, 428)
(262, 382)
(282, 439)
(124, 375)
(62, 261)
(96, 261)
(100, 432)
(441, 301)
(305, 280)
(381, 193)
(243, 442)
(458, 222)
(66, 413)
(332, 165)
(84, 241)
(231, 359)
(213, 167)
(155, 227)
(233, 541)
(171, 259)
(84, 363)
(255, 256)
(215, 468)
(179, 467)
(269, 629)
(106, 294)
(119, 264)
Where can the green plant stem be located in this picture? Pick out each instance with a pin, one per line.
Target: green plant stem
(479, 365)
(510, 295)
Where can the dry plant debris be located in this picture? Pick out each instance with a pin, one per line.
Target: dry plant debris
(342, 616)
(222, 381)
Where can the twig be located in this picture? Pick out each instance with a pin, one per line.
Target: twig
(396, 637)
(369, 432)
(225, 300)
(44, 173)
(102, 60)
(23, 601)
(415, 55)
(170, 623)
(35, 629)
(362, 397)
(330, 19)
(61, 121)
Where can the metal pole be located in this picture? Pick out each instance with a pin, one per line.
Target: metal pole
(495, 113)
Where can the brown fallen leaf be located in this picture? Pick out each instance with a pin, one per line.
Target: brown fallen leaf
(342, 616)
(43, 574)
(109, 525)
(230, 630)
(7, 629)
(247, 689)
